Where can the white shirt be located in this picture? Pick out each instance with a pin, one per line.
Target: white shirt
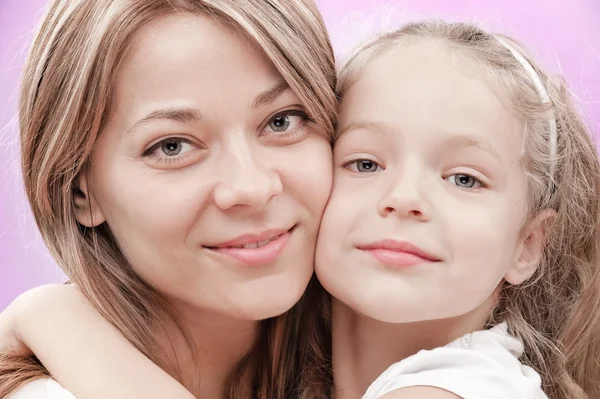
(479, 365)
(44, 388)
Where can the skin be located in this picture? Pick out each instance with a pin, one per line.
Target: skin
(452, 185)
(207, 143)
(229, 173)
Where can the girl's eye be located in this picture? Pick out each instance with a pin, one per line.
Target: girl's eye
(464, 181)
(363, 166)
(170, 150)
(286, 122)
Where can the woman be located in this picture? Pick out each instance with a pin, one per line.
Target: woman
(165, 147)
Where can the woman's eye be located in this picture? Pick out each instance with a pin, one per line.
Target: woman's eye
(363, 166)
(286, 122)
(170, 150)
(172, 147)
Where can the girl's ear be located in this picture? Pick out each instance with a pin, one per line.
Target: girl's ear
(531, 247)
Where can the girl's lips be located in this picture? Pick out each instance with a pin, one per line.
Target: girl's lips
(398, 253)
(398, 259)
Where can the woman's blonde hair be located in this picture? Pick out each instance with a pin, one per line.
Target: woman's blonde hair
(65, 98)
(557, 312)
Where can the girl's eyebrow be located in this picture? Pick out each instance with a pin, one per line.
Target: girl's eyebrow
(467, 141)
(375, 127)
(448, 143)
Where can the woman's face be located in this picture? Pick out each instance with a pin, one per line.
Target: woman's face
(209, 172)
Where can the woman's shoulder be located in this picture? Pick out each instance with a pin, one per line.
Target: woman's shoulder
(43, 388)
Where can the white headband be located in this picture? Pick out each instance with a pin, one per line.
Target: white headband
(535, 78)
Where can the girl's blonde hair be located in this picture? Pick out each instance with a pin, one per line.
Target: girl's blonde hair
(65, 98)
(557, 312)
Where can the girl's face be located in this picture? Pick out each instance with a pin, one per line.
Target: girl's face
(209, 173)
(427, 212)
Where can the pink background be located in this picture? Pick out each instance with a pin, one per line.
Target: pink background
(564, 35)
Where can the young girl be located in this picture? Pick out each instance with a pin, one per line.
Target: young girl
(460, 239)
(460, 242)
(164, 147)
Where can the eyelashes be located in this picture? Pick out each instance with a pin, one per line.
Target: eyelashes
(171, 150)
(363, 165)
(465, 181)
(279, 124)
(366, 166)
(284, 127)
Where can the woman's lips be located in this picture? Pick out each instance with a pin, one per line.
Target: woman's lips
(255, 249)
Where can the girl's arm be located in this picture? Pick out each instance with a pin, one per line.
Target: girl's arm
(85, 353)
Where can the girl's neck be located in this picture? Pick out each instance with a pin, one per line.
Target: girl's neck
(363, 348)
(219, 343)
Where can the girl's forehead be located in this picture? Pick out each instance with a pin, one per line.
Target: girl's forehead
(419, 90)
(407, 82)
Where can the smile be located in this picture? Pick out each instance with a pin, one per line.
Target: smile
(259, 244)
(254, 249)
